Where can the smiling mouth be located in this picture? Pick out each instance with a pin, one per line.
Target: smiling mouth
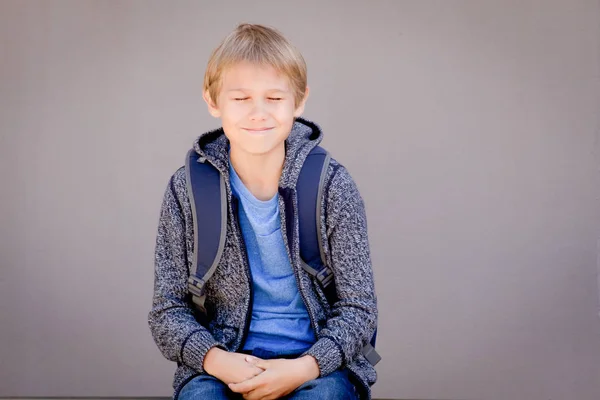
(260, 130)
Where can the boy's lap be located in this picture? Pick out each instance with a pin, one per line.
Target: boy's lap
(206, 387)
(336, 385)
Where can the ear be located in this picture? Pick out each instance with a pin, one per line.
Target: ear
(212, 107)
(300, 109)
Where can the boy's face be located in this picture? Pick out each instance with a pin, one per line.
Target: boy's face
(256, 107)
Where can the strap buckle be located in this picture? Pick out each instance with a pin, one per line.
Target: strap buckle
(196, 286)
(325, 276)
(371, 354)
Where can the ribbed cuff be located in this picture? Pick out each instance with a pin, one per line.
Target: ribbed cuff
(196, 347)
(328, 355)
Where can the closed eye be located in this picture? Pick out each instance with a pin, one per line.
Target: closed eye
(246, 98)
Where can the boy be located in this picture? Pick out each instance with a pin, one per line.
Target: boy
(270, 332)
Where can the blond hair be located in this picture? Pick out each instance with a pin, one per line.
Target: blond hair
(260, 45)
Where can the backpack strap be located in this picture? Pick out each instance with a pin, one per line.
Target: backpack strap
(310, 194)
(311, 245)
(208, 199)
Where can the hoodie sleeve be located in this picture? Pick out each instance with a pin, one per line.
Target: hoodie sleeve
(353, 317)
(177, 333)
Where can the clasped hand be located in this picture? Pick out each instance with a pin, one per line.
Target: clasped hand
(256, 378)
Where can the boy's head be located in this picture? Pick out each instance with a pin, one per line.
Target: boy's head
(256, 79)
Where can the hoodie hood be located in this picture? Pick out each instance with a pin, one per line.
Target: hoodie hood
(213, 146)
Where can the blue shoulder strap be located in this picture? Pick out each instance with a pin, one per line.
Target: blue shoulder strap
(208, 199)
(309, 189)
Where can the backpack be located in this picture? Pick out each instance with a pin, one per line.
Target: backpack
(208, 199)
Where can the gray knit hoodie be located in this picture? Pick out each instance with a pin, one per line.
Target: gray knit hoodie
(341, 329)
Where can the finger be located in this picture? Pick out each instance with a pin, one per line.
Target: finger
(245, 386)
(251, 384)
(253, 395)
(253, 372)
(252, 360)
(263, 364)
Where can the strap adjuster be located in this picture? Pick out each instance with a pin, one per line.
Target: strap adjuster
(371, 354)
(196, 286)
(325, 276)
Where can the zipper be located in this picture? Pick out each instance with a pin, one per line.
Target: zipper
(248, 273)
(294, 269)
(238, 231)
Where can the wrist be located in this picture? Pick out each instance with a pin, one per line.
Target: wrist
(211, 360)
(310, 367)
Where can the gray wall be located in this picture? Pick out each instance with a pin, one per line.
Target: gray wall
(471, 128)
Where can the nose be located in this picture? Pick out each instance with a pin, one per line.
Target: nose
(258, 111)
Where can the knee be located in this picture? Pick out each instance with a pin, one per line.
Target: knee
(203, 387)
(335, 386)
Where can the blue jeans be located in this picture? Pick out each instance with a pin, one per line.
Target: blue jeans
(335, 386)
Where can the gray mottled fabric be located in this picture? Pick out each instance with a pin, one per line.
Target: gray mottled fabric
(341, 329)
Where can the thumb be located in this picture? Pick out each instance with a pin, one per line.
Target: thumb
(258, 362)
(251, 359)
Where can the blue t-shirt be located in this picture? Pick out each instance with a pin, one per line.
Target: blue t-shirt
(279, 317)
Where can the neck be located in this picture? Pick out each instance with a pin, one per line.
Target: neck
(259, 173)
